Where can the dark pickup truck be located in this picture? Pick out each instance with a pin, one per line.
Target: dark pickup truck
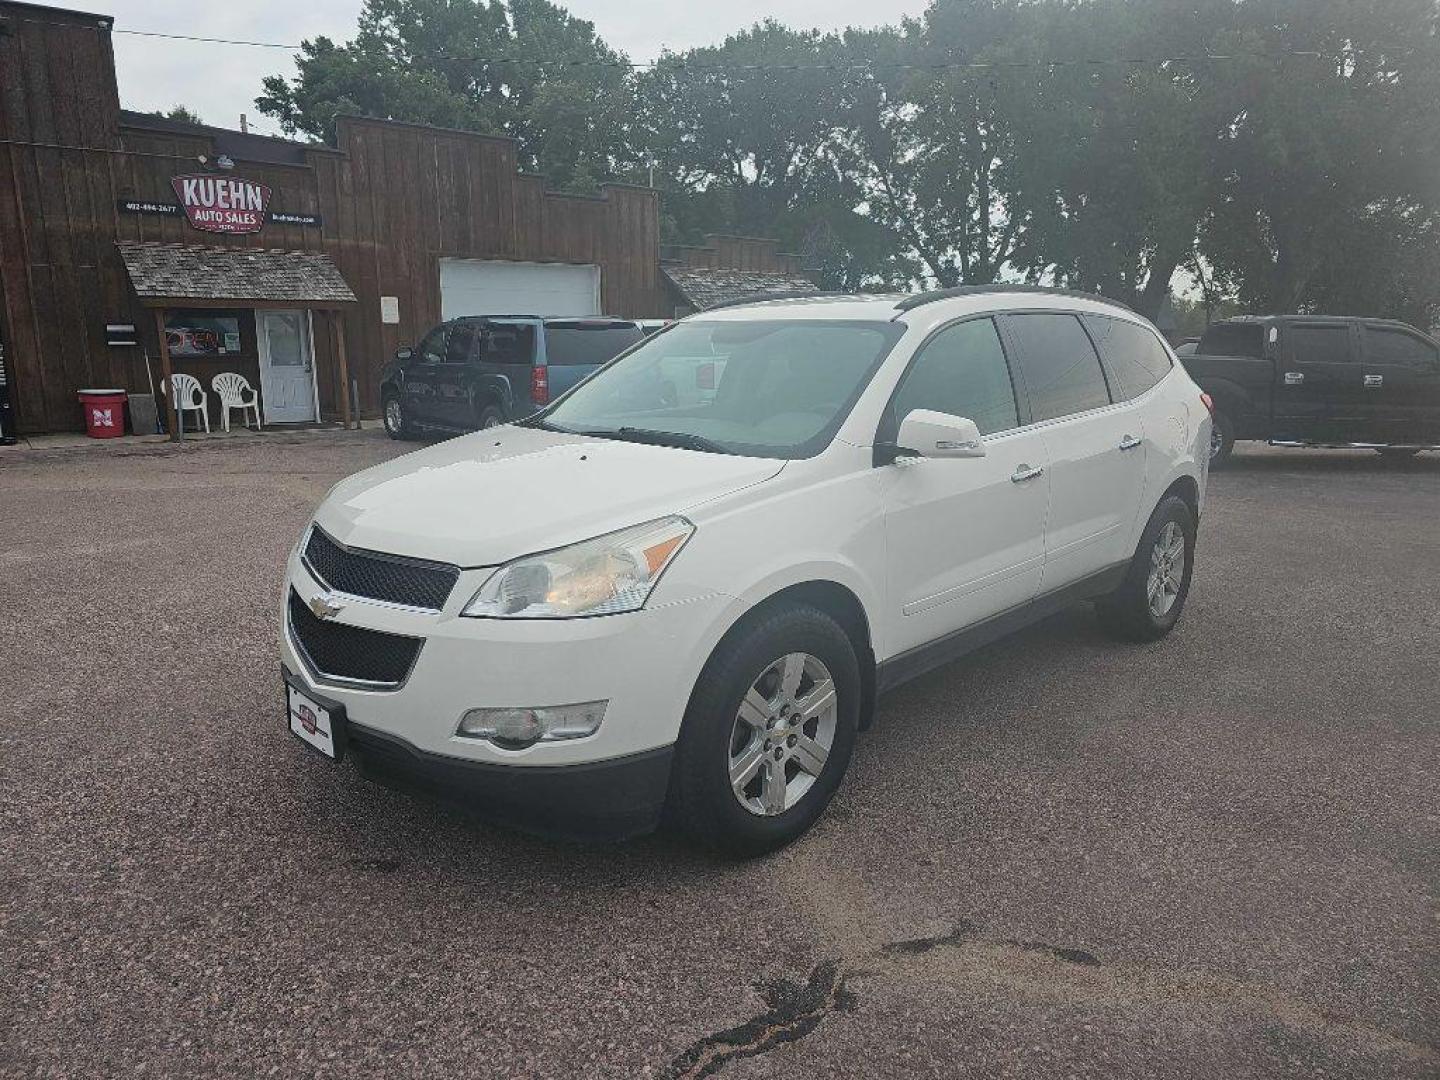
(1320, 381)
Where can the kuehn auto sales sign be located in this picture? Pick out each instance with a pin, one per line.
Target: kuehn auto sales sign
(222, 204)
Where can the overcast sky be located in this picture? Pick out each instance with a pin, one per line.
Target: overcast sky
(221, 81)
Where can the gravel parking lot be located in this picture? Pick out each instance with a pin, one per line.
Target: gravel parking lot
(1216, 856)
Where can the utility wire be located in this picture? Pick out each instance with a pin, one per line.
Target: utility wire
(676, 61)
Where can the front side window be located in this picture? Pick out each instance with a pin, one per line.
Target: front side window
(1137, 359)
(766, 387)
(432, 349)
(1319, 344)
(1062, 373)
(962, 371)
(1388, 346)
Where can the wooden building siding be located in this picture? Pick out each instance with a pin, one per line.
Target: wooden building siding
(393, 199)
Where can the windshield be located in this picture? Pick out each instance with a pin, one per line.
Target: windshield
(767, 388)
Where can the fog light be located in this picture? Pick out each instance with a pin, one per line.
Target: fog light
(516, 729)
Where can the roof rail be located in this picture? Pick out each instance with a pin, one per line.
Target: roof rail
(921, 299)
(757, 298)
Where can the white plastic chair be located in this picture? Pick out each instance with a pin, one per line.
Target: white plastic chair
(235, 392)
(189, 398)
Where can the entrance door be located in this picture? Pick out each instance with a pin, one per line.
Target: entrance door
(964, 536)
(287, 366)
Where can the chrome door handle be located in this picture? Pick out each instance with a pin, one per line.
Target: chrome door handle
(1129, 442)
(1374, 382)
(1026, 472)
(1294, 378)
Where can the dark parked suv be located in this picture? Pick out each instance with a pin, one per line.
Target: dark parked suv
(484, 370)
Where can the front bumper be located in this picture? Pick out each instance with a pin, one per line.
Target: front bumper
(611, 799)
(644, 664)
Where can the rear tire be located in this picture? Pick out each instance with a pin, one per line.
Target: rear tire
(1148, 603)
(749, 774)
(397, 419)
(1222, 440)
(490, 416)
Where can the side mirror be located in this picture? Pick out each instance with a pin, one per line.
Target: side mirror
(930, 434)
(405, 352)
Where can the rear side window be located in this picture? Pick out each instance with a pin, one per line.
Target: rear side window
(962, 371)
(508, 343)
(579, 343)
(1233, 339)
(1319, 344)
(1062, 373)
(1388, 346)
(457, 348)
(1137, 359)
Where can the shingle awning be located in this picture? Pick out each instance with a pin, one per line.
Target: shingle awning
(704, 288)
(168, 275)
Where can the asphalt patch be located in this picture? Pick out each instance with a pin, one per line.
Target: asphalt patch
(793, 1011)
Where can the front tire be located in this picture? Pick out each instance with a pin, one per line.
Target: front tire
(1148, 603)
(397, 419)
(768, 733)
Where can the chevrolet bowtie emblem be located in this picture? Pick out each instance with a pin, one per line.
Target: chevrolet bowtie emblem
(323, 607)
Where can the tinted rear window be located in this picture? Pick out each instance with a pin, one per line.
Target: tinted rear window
(1319, 344)
(1232, 339)
(508, 343)
(569, 344)
(1137, 359)
(1062, 372)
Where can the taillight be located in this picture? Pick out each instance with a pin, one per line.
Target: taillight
(540, 385)
(1208, 402)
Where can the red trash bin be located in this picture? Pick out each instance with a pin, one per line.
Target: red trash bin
(104, 413)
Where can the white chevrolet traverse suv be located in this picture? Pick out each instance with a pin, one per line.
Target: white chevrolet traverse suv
(676, 592)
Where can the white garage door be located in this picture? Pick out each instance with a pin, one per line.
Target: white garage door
(482, 287)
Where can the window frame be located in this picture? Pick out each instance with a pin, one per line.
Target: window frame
(1012, 348)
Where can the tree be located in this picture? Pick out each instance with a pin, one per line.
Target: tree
(1120, 119)
(524, 68)
(1330, 166)
(181, 113)
(928, 141)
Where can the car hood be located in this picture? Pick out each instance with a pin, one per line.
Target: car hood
(485, 498)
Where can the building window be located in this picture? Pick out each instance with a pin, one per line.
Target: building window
(202, 333)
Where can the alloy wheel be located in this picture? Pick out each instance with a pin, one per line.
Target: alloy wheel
(783, 733)
(1167, 570)
(394, 418)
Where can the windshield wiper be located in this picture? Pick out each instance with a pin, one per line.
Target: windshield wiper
(680, 439)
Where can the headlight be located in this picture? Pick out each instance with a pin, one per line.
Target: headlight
(604, 576)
